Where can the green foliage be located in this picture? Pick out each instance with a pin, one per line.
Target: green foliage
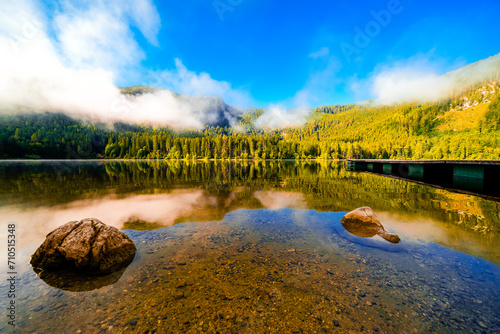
(336, 109)
(141, 225)
(139, 90)
(492, 117)
(49, 135)
(364, 130)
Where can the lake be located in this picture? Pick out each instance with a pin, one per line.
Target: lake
(252, 247)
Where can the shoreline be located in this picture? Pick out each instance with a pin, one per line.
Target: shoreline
(185, 160)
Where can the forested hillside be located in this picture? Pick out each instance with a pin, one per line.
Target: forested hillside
(50, 135)
(464, 126)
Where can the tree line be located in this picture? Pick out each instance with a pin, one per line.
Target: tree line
(405, 131)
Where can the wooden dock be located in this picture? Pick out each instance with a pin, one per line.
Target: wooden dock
(481, 177)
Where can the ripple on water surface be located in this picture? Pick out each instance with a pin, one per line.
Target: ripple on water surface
(286, 271)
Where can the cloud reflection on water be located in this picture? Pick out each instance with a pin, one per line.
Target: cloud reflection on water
(165, 209)
(196, 205)
(418, 229)
(34, 224)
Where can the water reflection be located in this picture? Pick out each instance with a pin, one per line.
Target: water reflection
(255, 247)
(40, 197)
(36, 223)
(70, 280)
(281, 199)
(468, 183)
(274, 271)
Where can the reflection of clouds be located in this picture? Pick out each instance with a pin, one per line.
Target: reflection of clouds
(233, 196)
(414, 229)
(445, 234)
(279, 200)
(230, 199)
(34, 225)
(301, 218)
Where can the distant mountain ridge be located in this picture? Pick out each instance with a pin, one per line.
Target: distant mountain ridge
(483, 70)
(464, 124)
(211, 110)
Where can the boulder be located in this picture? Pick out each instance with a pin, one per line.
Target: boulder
(88, 246)
(363, 222)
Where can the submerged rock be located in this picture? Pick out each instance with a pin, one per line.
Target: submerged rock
(88, 246)
(363, 222)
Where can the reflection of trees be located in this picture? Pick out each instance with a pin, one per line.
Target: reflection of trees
(491, 210)
(220, 204)
(326, 186)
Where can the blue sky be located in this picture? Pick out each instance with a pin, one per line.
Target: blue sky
(69, 55)
(274, 49)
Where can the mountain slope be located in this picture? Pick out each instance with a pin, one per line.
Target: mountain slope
(210, 110)
(464, 125)
(481, 71)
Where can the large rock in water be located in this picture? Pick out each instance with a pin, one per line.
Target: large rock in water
(364, 223)
(88, 246)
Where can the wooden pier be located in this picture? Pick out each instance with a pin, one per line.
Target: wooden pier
(481, 177)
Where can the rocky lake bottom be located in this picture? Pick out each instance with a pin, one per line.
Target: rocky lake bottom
(269, 271)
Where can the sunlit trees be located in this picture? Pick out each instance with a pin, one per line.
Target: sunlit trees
(407, 131)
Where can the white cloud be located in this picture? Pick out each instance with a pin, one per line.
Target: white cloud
(323, 52)
(91, 39)
(400, 84)
(33, 74)
(423, 78)
(185, 81)
(68, 61)
(98, 33)
(177, 111)
(417, 78)
(146, 18)
(276, 116)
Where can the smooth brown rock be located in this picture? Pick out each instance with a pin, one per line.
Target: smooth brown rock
(88, 245)
(363, 222)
